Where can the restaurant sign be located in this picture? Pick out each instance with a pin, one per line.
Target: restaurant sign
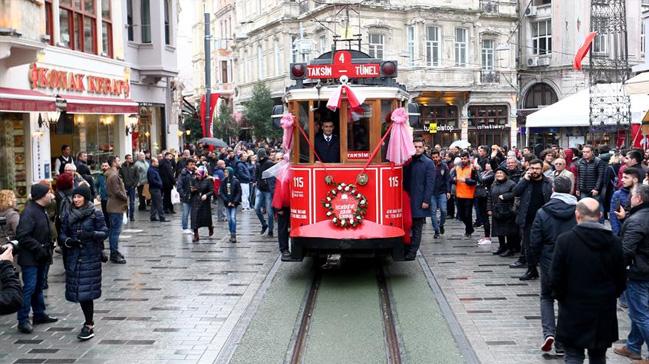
(48, 78)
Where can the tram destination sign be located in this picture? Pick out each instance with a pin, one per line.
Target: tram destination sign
(343, 66)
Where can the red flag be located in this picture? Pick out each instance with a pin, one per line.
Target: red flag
(583, 50)
(207, 129)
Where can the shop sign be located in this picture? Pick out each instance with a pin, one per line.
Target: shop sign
(343, 66)
(40, 169)
(432, 128)
(490, 127)
(48, 78)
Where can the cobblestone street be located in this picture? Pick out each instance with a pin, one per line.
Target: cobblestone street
(174, 301)
(179, 302)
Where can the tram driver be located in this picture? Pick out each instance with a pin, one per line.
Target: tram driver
(327, 144)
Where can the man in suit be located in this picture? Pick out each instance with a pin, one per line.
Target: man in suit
(327, 145)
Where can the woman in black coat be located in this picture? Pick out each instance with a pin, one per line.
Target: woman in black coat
(500, 206)
(202, 190)
(230, 192)
(83, 231)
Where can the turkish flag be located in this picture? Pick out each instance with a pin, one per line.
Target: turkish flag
(583, 50)
(207, 129)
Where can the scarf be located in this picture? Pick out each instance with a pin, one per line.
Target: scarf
(78, 214)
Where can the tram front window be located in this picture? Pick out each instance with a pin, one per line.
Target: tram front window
(358, 132)
(327, 140)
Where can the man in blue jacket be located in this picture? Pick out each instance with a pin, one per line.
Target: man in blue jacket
(155, 188)
(621, 198)
(441, 193)
(419, 182)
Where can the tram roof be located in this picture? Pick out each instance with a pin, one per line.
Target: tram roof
(370, 92)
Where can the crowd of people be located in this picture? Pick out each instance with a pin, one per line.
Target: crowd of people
(549, 211)
(75, 214)
(552, 211)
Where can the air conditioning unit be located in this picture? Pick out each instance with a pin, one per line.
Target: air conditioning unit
(530, 11)
(543, 61)
(533, 62)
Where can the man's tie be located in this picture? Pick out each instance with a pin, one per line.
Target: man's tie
(328, 139)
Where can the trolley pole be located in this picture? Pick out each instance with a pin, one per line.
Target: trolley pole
(208, 75)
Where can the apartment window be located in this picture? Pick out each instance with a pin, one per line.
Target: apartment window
(145, 20)
(461, 45)
(129, 19)
(432, 46)
(49, 22)
(642, 40)
(542, 37)
(410, 35)
(488, 54)
(278, 57)
(167, 9)
(323, 44)
(540, 94)
(224, 72)
(260, 62)
(294, 51)
(599, 44)
(78, 25)
(542, 2)
(376, 45)
(106, 29)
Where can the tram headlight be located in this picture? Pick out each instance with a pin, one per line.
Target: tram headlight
(389, 69)
(298, 71)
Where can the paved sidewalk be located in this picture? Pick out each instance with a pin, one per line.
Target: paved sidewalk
(499, 314)
(174, 301)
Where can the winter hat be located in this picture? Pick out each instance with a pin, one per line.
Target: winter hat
(83, 191)
(261, 153)
(201, 171)
(569, 155)
(230, 171)
(503, 169)
(38, 191)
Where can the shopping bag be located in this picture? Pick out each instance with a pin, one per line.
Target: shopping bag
(146, 193)
(175, 196)
(124, 219)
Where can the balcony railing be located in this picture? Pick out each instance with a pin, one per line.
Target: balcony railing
(489, 6)
(489, 76)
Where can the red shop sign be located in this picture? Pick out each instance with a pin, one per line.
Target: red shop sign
(47, 78)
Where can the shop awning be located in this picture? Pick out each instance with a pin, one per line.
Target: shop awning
(638, 85)
(99, 105)
(574, 111)
(12, 99)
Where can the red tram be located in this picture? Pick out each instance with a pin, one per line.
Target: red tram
(355, 205)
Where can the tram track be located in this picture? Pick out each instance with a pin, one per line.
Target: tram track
(392, 346)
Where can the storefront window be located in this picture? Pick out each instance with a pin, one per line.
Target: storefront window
(445, 115)
(488, 116)
(93, 134)
(13, 167)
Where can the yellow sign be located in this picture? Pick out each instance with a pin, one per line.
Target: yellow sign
(432, 128)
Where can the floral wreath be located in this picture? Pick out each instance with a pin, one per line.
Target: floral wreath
(343, 192)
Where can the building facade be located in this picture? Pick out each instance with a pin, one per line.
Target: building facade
(63, 81)
(451, 56)
(150, 51)
(223, 21)
(551, 32)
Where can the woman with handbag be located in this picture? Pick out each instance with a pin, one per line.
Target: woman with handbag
(83, 231)
(500, 206)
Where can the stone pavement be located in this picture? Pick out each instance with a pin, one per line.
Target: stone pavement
(173, 302)
(499, 314)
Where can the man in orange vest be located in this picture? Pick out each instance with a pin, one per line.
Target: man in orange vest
(465, 179)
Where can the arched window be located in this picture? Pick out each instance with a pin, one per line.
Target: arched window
(540, 94)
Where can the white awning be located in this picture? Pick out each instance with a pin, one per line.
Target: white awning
(638, 85)
(574, 111)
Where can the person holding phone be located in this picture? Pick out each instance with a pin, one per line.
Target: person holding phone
(11, 292)
(621, 198)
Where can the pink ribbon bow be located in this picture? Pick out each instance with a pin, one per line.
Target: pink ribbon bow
(400, 146)
(287, 122)
(355, 100)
